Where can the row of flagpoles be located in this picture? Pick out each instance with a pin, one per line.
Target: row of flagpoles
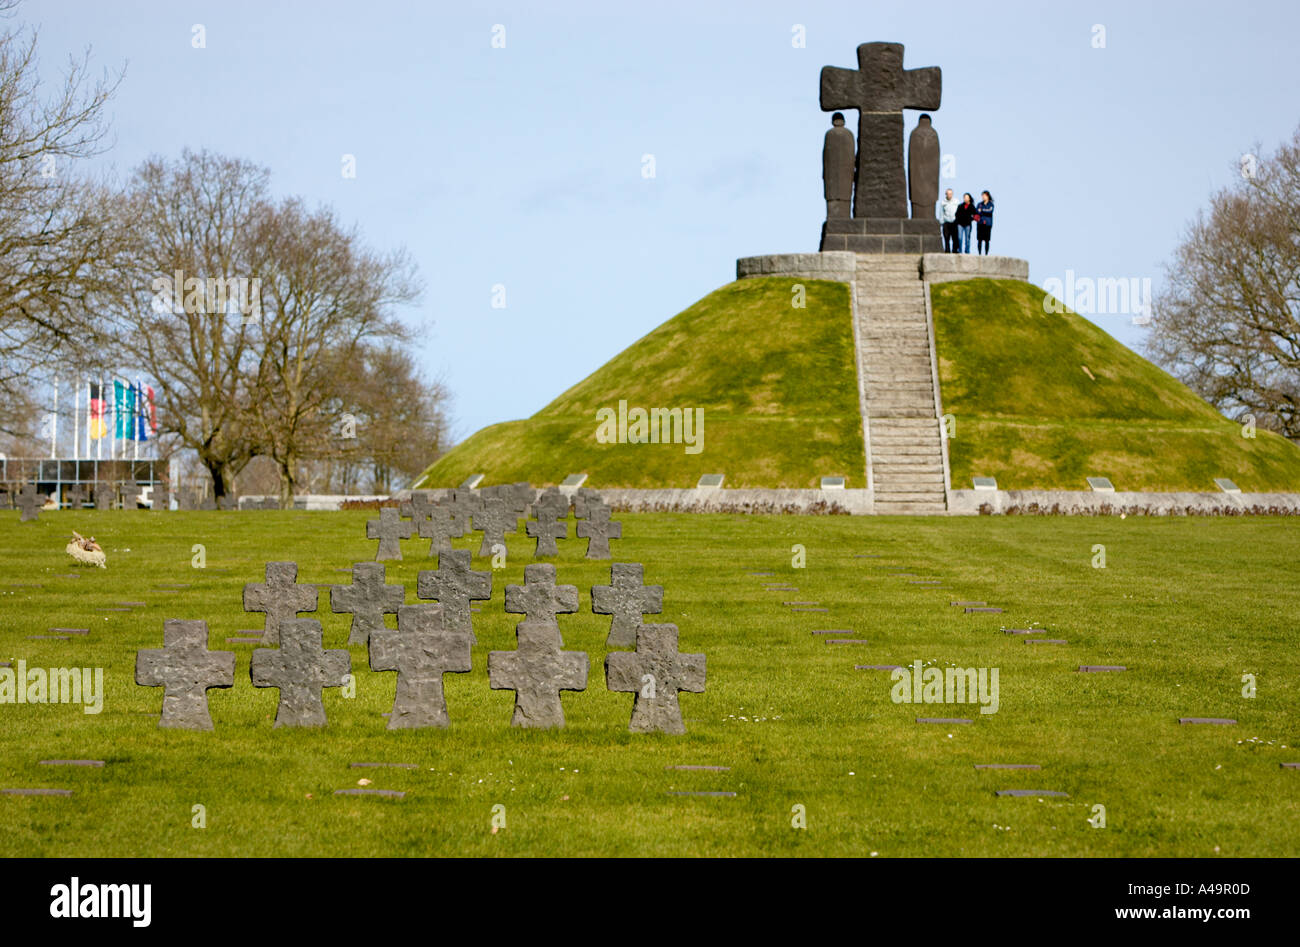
(134, 418)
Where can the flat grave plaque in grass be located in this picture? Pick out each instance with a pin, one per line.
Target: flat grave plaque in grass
(820, 610)
(711, 795)
(969, 604)
(760, 573)
(49, 638)
(72, 762)
(69, 631)
(1222, 721)
(983, 610)
(801, 603)
(383, 793)
(942, 720)
(834, 631)
(1094, 668)
(1045, 641)
(36, 792)
(1023, 631)
(1290, 765)
(846, 641)
(877, 667)
(1045, 793)
(1007, 766)
(244, 641)
(383, 766)
(691, 768)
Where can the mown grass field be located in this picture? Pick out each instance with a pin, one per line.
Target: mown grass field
(1189, 605)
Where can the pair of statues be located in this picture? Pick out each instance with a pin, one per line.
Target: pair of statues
(870, 183)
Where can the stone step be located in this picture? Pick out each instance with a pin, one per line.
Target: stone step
(890, 471)
(929, 496)
(906, 425)
(910, 509)
(905, 453)
(892, 412)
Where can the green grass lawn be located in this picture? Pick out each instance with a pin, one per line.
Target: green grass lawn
(1189, 605)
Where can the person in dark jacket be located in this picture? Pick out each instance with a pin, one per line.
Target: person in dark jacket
(965, 213)
(983, 222)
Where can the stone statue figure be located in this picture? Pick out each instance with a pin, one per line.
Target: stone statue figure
(923, 169)
(838, 162)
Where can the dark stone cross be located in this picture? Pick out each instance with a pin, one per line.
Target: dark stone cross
(598, 530)
(582, 499)
(368, 598)
(389, 529)
(421, 651)
(30, 502)
(463, 503)
(437, 525)
(497, 518)
(880, 88)
(104, 495)
(537, 671)
(627, 599)
(76, 498)
(550, 524)
(280, 597)
(301, 669)
(539, 598)
(187, 670)
(655, 672)
(454, 584)
(130, 495)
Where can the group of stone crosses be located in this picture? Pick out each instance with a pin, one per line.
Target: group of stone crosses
(495, 511)
(30, 503)
(432, 640)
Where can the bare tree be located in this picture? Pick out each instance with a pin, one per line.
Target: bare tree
(176, 309)
(52, 243)
(324, 298)
(1228, 324)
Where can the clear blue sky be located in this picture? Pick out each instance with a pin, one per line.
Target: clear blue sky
(522, 166)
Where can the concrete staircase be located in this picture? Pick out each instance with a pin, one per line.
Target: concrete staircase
(897, 375)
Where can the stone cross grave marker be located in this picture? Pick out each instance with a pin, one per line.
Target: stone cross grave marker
(539, 598)
(186, 669)
(537, 672)
(655, 672)
(301, 669)
(390, 529)
(130, 495)
(551, 510)
(368, 598)
(421, 651)
(454, 585)
(497, 518)
(30, 502)
(627, 599)
(280, 597)
(582, 498)
(880, 88)
(463, 504)
(104, 496)
(438, 525)
(76, 498)
(598, 530)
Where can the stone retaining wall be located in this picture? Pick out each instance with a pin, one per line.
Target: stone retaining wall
(946, 267)
(1130, 503)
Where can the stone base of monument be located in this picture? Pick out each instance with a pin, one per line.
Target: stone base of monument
(882, 235)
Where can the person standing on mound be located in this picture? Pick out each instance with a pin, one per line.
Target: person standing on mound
(965, 214)
(984, 227)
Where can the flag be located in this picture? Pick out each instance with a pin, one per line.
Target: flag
(95, 412)
(153, 410)
(121, 411)
(141, 431)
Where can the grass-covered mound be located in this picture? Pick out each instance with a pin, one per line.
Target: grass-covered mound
(1028, 413)
(777, 386)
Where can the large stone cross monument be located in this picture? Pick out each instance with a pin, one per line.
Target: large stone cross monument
(880, 88)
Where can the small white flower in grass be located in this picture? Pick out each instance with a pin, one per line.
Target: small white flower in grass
(363, 782)
(851, 773)
(874, 854)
